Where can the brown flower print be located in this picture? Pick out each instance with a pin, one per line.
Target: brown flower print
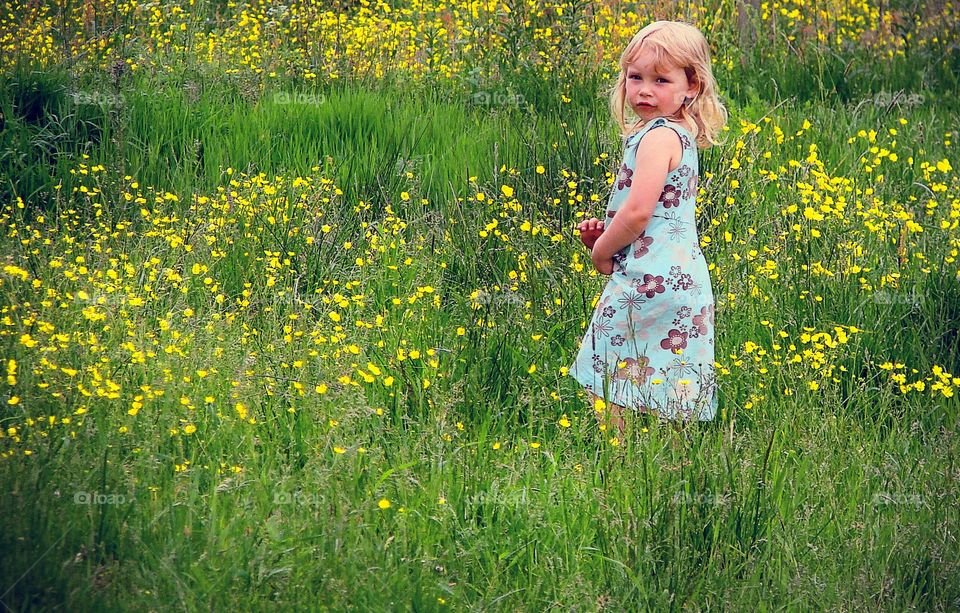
(651, 285)
(620, 261)
(680, 280)
(682, 314)
(700, 322)
(625, 174)
(641, 245)
(675, 340)
(691, 190)
(670, 196)
(635, 371)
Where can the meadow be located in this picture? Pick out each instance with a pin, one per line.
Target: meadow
(288, 294)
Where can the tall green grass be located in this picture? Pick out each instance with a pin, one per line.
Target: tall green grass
(839, 498)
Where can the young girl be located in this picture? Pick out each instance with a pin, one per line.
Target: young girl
(650, 342)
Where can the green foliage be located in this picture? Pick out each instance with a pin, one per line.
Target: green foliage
(503, 492)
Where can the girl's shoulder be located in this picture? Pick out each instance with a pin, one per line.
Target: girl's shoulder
(634, 137)
(686, 137)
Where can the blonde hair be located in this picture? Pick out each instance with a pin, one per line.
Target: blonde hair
(675, 44)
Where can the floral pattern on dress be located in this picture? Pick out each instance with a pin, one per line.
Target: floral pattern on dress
(670, 196)
(691, 188)
(634, 370)
(641, 246)
(651, 285)
(624, 179)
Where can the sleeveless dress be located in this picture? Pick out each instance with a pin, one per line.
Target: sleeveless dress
(650, 341)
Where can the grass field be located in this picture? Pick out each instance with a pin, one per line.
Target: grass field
(288, 294)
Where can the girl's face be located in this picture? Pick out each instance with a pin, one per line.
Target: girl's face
(652, 93)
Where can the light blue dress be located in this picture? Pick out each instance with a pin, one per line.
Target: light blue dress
(650, 341)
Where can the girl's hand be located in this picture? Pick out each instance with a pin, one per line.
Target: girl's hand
(590, 231)
(604, 266)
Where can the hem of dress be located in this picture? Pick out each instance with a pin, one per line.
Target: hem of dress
(571, 372)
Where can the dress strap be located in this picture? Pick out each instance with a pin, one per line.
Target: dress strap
(634, 139)
(687, 141)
